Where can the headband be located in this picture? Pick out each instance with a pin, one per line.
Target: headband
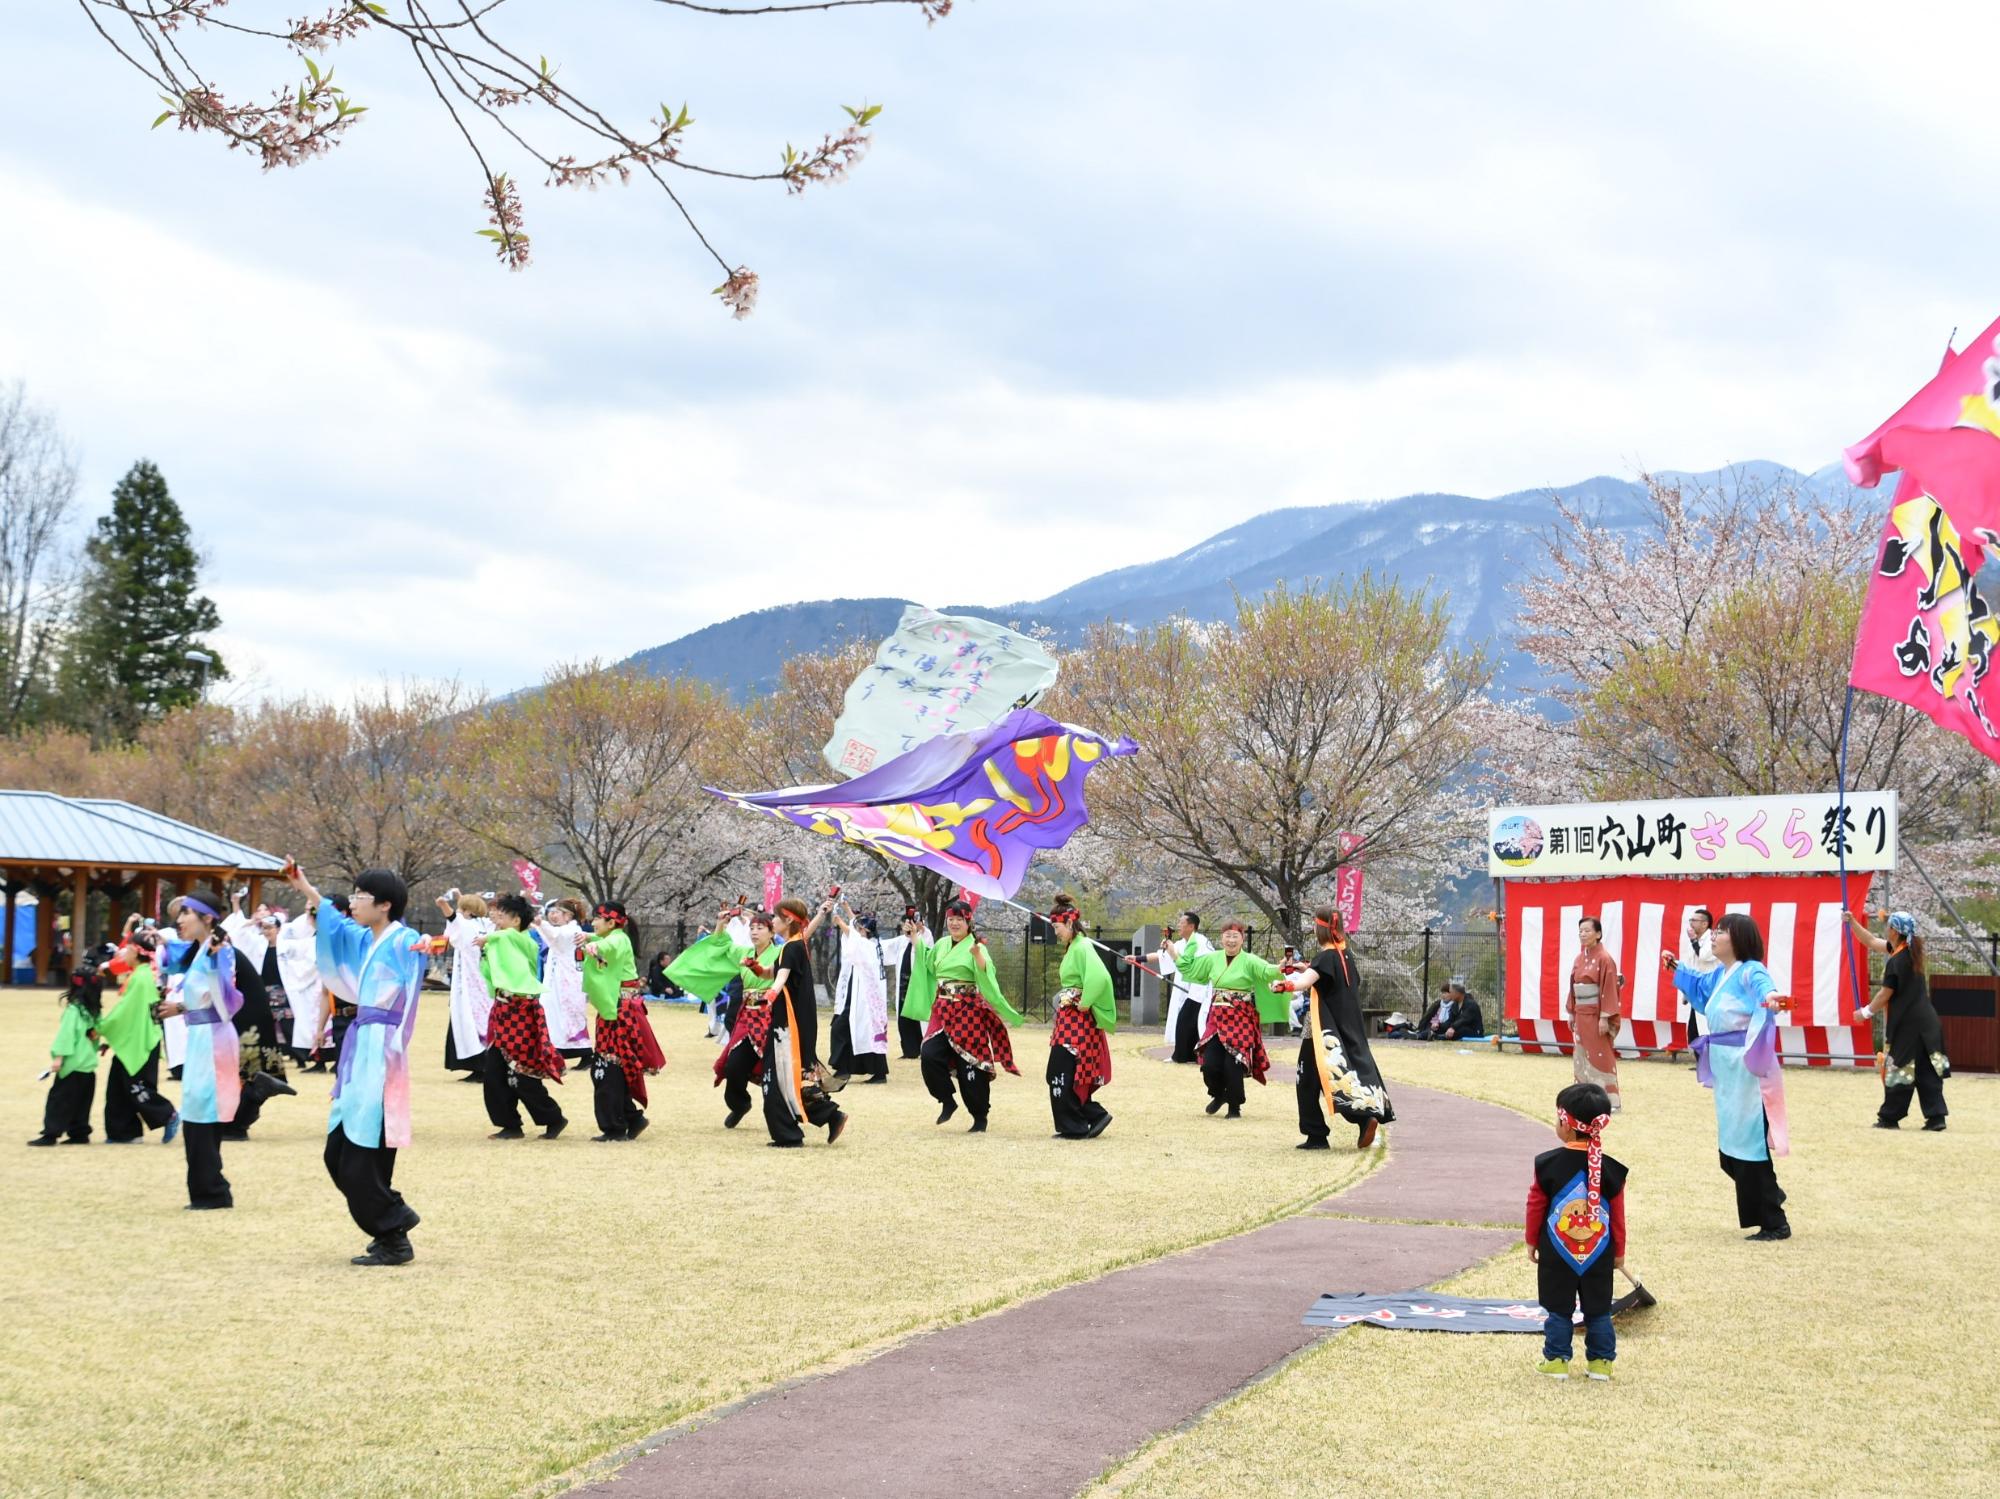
(1594, 1130)
(616, 918)
(202, 907)
(1063, 913)
(1903, 924)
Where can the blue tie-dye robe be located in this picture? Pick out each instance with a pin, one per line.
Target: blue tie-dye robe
(371, 1085)
(1738, 1057)
(211, 1080)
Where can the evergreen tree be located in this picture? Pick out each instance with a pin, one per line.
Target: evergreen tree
(138, 614)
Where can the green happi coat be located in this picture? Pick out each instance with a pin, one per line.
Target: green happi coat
(951, 962)
(507, 963)
(707, 966)
(73, 1050)
(128, 1027)
(1245, 971)
(610, 969)
(1083, 968)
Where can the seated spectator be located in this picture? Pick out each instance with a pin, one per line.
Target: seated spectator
(1453, 1016)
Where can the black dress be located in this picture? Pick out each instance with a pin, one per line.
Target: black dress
(1355, 1081)
(794, 1016)
(1917, 1067)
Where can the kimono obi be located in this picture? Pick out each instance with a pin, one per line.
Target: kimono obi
(204, 1017)
(957, 989)
(756, 999)
(1070, 997)
(1235, 997)
(374, 1015)
(1584, 994)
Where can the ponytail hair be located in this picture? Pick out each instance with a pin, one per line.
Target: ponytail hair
(1916, 946)
(1327, 921)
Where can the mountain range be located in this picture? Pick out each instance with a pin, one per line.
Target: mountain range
(1474, 550)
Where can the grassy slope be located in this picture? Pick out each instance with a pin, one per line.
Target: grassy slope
(1855, 1359)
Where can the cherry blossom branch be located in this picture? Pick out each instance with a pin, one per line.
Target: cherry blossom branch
(481, 83)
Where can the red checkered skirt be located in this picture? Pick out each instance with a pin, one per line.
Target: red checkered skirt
(750, 1027)
(974, 1028)
(519, 1031)
(1232, 1020)
(1077, 1031)
(630, 1042)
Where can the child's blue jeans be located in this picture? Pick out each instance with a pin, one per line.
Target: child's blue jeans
(1600, 1339)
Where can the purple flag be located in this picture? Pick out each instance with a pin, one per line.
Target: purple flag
(973, 807)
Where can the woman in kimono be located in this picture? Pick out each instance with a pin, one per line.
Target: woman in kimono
(1232, 1040)
(561, 928)
(201, 988)
(132, 1101)
(955, 991)
(298, 966)
(626, 1052)
(466, 921)
(1187, 1011)
(858, 1039)
(1738, 1059)
(374, 963)
(1914, 1064)
(1337, 1071)
(1593, 1010)
(1086, 1013)
(706, 970)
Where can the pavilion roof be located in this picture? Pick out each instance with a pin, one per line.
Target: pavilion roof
(39, 827)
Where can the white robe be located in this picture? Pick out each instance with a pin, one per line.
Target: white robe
(298, 971)
(563, 1004)
(1183, 993)
(893, 949)
(738, 932)
(861, 994)
(470, 1001)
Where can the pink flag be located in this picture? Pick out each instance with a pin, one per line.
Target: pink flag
(1965, 392)
(1347, 883)
(530, 876)
(774, 884)
(1927, 633)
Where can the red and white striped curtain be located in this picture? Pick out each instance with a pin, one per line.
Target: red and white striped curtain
(1805, 946)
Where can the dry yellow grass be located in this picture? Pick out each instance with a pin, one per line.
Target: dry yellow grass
(568, 1297)
(1856, 1359)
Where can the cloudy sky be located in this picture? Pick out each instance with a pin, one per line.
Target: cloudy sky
(1117, 274)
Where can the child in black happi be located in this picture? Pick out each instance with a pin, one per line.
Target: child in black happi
(1576, 1232)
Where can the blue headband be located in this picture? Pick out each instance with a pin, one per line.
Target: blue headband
(1903, 924)
(190, 903)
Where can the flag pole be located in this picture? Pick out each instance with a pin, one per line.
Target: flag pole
(1951, 910)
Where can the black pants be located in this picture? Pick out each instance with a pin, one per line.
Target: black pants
(132, 1103)
(1760, 1201)
(507, 1090)
(943, 1066)
(616, 1112)
(1222, 1072)
(1312, 1109)
(842, 1057)
(737, 1068)
(1074, 1119)
(785, 1129)
(364, 1173)
(207, 1186)
(1928, 1089)
(911, 1034)
(67, 1111)
(1187, 1032)
(249, 1108)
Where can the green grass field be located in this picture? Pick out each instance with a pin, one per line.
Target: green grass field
(568, 1297)
(1855, 1359)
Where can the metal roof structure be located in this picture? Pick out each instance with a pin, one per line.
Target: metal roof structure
(41, 828)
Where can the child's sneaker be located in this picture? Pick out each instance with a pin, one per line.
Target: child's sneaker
(1555, 1368)
(1598, 1368)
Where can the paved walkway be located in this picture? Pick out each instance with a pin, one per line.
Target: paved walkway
(1040, 1398)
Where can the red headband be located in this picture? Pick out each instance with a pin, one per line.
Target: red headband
(605, 913)
(1594, 1130)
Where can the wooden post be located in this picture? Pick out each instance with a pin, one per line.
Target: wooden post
(256, 897)
(45, 930)
(79, 914)
(149, 895)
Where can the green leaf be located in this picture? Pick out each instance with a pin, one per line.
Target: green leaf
(490, 233)
(164, 118)
(312, 68)
(870, 112)
(380, 10)
(683, 122)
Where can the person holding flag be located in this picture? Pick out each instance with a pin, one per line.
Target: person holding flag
(1086, 1012)
(956, 993)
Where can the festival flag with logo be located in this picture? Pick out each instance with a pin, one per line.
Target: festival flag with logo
(938, 674)
(972, 807)
(1927, 630)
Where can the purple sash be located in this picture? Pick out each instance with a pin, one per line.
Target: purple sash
(1759, 1057)
(203, 1017)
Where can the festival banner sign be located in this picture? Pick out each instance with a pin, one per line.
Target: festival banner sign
(972, 807)
(938, 674)
(1347, 883)
(774, 884)
(1700, 835)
